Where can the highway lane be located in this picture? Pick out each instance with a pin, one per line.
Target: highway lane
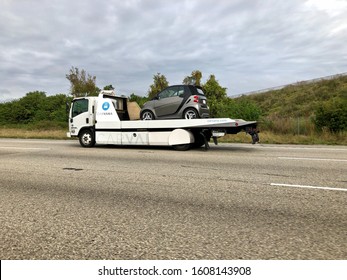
(235, 201)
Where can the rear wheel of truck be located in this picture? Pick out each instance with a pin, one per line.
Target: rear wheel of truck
(201, 138)
(182, 147)
(87, 138)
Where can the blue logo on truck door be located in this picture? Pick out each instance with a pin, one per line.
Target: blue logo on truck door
(105, 106)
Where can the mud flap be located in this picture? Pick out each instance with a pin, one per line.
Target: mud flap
(207, 146)
(253, 131)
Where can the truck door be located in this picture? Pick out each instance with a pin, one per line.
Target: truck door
(79, 116)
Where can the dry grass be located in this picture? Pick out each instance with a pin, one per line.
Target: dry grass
(34, 134)
(267, 137)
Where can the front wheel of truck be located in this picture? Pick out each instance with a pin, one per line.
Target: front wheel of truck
(87, 138)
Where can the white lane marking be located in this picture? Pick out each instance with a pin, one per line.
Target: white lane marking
(309, 187)
(317, 159)
(20, 148)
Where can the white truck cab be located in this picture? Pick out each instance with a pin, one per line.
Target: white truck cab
(113, 120)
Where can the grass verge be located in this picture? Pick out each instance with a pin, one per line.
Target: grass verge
(32, 133)
(267, 137)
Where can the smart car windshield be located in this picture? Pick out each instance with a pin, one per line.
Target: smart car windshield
(200, 91)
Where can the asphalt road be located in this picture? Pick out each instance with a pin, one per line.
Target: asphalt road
(235, 201)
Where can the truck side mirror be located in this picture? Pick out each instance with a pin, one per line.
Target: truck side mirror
(67, 107)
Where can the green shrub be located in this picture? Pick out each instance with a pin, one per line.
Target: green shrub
(332, 115)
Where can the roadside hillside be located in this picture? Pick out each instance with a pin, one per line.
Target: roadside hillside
(300, 100)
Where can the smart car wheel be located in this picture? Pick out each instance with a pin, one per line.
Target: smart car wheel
(147, 115)
(190, 113)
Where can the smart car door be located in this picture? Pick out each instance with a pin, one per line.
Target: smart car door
(169, 100)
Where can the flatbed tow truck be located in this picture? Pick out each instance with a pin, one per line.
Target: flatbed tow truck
(112, 120)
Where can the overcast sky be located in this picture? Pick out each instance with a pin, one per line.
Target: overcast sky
(247, 44)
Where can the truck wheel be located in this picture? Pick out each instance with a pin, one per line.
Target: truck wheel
(190, 113)
(87, 138)
(182, 147)
(147, 115)
(199, 140)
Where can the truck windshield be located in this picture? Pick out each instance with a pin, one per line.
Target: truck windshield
(79, 106)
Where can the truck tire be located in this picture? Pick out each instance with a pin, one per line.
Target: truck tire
(182, 147)
(199, 140)
(87, 138)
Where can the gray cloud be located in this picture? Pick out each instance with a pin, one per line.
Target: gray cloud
(248, 45)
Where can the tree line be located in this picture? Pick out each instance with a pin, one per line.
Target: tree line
(36, 109)
(40, 110)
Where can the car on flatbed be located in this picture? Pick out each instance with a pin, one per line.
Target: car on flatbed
(177, 102)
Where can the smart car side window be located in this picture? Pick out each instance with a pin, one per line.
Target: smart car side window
(180, 91)
(79, 106)
(171, 92)
(164, 94)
